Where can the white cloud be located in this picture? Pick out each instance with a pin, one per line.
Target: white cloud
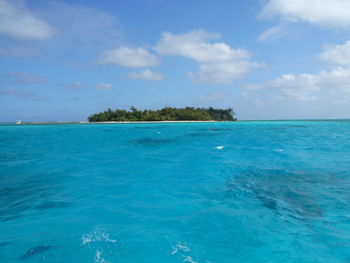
(213, 97)
(328, 13)
(253, 87)
(80, 28)
(75, 32)
(193, 45)
(337, 55)
(306, 87)
(74, 86)
(20, 78)
(301, 87)
(20, 94)
(274, 33)
(222, 72)
(146, 75)
(104, 86)
(12, 51)
(130, 57)
(19, 22)
(219, 63)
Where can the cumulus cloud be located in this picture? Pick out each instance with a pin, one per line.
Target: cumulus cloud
(17, 21)
(328, 13)
(222, 72)
(337, 55)
(306, 87)
(146, 75)
(193, 45)
(219, 63)
(104, 86)
(130, 57)
(75, 32)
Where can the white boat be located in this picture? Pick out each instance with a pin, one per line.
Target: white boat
(18, 122)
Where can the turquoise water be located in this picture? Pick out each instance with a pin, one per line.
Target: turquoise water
(200, 192)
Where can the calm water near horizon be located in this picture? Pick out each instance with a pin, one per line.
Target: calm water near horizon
(245, 192)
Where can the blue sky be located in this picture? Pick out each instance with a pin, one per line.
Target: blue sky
(268, 59)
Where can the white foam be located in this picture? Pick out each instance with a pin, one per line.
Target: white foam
(97, 236)
(183, 253)
(189, 259)
(219, 147)
(99, 258)
(178, 248)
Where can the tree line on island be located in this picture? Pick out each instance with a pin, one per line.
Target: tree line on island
(165, 114)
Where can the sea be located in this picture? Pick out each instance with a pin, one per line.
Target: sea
(221, 192)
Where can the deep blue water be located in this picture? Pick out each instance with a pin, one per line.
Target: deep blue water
(103, 193)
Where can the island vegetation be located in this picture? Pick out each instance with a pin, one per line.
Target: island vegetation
(165, 114)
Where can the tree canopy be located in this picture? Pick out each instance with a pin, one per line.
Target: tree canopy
(165, 114)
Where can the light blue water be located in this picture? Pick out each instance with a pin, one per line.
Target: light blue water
(276, 192)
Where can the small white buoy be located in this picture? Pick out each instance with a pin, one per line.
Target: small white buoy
(219, 147)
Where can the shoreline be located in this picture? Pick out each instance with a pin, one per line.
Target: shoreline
(108, 122)
(129, 122)
(155, 122)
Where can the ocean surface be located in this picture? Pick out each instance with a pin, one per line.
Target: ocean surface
(238, 192)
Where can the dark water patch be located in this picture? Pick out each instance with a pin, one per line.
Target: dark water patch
(146, 127)
(276, 129)
(269, 203)
(214, 129)
(34, 251)
(21, 195)
(7, 140)
(297, 126)
(109, 130)
(282, 191)
(203, 134)
(52, 205)
(152, 141)
(9, 156)
(4, 243)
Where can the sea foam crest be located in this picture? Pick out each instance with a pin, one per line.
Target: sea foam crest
(182, 252)
(99, 258)
(219, 147)
(97, 236)
(178, 248)
(189, 259)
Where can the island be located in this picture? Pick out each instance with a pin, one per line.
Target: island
(164, 114)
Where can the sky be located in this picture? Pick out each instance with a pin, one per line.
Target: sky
(63, 60)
